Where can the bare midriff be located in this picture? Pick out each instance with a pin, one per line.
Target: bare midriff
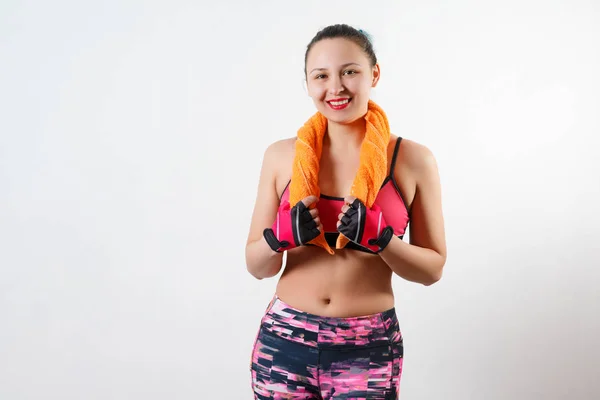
(348, 284)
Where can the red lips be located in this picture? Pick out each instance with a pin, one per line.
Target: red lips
(338, 106)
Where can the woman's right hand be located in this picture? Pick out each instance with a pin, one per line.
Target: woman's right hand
(294, 226)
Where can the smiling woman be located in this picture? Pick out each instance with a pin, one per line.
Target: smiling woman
(338, 198)
(334, 86)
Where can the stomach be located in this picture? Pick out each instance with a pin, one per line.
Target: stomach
(348, 284)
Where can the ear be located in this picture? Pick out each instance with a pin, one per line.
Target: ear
(376, 74)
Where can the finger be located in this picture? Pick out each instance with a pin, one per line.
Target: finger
(304, 214)
(345, 220)
(350, 212)
(310, 224)
(317, 221)
(314, 212)
(356, 204)
(345, 208)
(309, 200)
(349, 199)
(301, 207)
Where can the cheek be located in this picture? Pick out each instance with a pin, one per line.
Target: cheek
(316, 92)
(360, 85)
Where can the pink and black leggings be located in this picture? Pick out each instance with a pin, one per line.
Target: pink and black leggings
(298, 355)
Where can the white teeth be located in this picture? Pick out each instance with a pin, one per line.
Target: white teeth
(339, 103)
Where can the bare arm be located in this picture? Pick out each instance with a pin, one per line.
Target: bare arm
(261, 261)
(423, 259)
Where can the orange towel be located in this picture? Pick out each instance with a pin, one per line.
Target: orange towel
(372, 169)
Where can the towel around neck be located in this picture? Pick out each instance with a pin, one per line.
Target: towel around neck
(372, 169)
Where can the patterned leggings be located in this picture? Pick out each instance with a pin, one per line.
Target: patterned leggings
(304, 356)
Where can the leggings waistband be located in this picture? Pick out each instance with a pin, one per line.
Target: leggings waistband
(312, 330)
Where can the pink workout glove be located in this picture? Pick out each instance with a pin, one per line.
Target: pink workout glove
(365, 227)
(293, 227)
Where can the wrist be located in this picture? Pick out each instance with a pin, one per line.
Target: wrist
(273, 241)
(268, 251)
(384, 240)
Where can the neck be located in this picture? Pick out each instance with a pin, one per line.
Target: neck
(345, 136)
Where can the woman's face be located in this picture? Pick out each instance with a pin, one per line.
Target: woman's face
(339, 79)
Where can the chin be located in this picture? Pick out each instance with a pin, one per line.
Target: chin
(340, 117)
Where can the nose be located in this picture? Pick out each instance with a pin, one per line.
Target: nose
(335, 86)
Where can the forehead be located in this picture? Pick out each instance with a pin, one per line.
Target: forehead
(328, 53)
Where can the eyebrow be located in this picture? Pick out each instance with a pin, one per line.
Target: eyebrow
(343, 66)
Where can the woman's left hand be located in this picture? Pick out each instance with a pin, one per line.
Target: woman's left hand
(363, 226)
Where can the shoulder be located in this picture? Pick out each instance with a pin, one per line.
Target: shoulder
(416, 157)
(278, 160)
(280, 149)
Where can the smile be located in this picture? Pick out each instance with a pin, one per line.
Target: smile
(339, 104)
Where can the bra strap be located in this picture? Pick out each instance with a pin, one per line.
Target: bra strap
(395, 156)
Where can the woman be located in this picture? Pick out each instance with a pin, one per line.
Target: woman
(338, 198)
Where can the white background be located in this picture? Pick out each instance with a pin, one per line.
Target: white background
(131, 137)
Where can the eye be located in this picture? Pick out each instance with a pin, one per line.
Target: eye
(320, 76)
(349, 72)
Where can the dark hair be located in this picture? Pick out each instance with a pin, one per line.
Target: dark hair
(347, 32)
